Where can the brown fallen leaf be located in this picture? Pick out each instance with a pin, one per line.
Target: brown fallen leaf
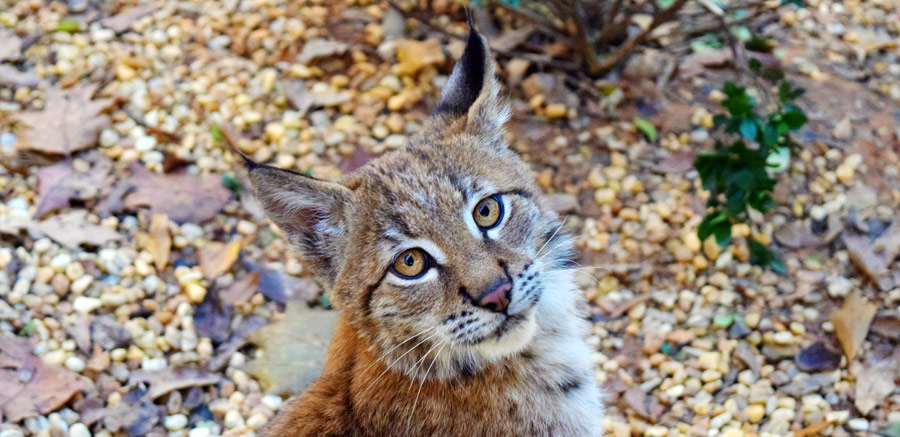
(875, 382)
(875, 257)
(12, 77)
(216, 258)
(10, 45)
(60, 184)
(293, 348)
(72, 230)
(122, 21)
(677, 163)
(182, 197)
(851, 323)
(70, 122)
(30, 387)
(797, 235)
(843, 129)
(167, 380)
(887, 327)
(414, 55)
(813, 429)
(157, 240)
(321, 48)
(241, 290)
(696, 63)
(511, 39)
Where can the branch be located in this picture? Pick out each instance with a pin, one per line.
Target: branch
(628, 46)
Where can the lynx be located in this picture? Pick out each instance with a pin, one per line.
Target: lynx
(452, 276)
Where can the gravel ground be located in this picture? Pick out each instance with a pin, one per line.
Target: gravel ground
(137, 272)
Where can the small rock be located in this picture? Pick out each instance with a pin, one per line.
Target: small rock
(175, 422)
(859, 424)
(84, 304)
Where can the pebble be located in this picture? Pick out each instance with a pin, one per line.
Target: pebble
(604, 196)
(755, 413)
(859, 424)
(257, 421)
(555, 110)
(84, 304)
(233, 419)
(195, 292)
(175, 422)
(80, 285)
(75, 363)
(274, 402)
(79, 430)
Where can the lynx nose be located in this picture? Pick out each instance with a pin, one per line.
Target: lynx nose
(496, 299)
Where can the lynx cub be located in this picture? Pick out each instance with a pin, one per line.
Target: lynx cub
(458, 313)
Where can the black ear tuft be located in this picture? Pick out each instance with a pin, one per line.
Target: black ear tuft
(468, 78)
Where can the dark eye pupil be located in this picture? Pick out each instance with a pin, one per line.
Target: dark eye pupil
(408, 259)
(484, 211)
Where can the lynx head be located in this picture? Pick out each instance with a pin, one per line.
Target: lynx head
(442, 250)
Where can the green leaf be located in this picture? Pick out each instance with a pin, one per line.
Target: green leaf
(748, 129)
(709, 223)
(68, 25)
(647, 128)
(217, 134)
(762, 256)
(723, 234)
(232, 184)
(794, 117)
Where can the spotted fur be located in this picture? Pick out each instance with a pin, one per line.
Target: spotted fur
(421, 357)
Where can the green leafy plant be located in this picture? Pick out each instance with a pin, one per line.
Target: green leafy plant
(739, 174)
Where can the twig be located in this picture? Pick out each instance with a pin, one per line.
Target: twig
(628, 46)
(541, 23)
(532, 57)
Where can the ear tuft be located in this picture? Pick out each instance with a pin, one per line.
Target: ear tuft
(470, 75)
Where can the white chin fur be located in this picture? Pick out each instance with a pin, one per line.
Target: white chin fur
(511, 342)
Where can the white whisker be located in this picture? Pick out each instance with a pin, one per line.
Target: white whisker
(421, 384)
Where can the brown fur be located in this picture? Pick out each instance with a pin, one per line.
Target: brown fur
(422, 356)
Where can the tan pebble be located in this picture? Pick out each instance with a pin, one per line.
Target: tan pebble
(556, 110)
(596, 178)
(709, 361)
(615, 173)
(845, 174)
(692, 242)
(604, 196)
(755, 413)
(656, 431)
(195, 292)
(683, 254)
(125, 73)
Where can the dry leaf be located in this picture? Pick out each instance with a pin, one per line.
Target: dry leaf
(320, 48)
(72, 230)
(157, 241)
(217, 258)
(165, 381)
(122, 21)
(241, 290)
(511, 39)
(59, 184)
(10, 45)
(30, 387)
(182, 197)
(12, 77)
(800, 234)
(813, 429)
(293, 348)
(414, 55)
(843, 129)
(70, 122)
(851, 323)
(875, 257)
(875, 382)
(887, 327)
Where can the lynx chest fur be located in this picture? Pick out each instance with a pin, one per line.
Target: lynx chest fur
(453, 278)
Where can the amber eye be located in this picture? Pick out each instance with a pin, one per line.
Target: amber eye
(411, 264)
(488, 212)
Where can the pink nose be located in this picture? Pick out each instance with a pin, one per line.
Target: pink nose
(496, 299)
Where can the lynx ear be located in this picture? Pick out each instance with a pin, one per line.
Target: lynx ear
(472, 90)
(311, 213)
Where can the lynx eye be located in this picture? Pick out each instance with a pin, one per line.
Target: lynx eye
(411, 264)
(488, 212)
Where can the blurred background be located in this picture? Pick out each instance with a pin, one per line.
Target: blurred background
(737, 235)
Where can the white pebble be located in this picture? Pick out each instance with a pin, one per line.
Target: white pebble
(79, 430)
(80, 285)
(84, 304)
(75, 363)
(175, 422)
(272, 401)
